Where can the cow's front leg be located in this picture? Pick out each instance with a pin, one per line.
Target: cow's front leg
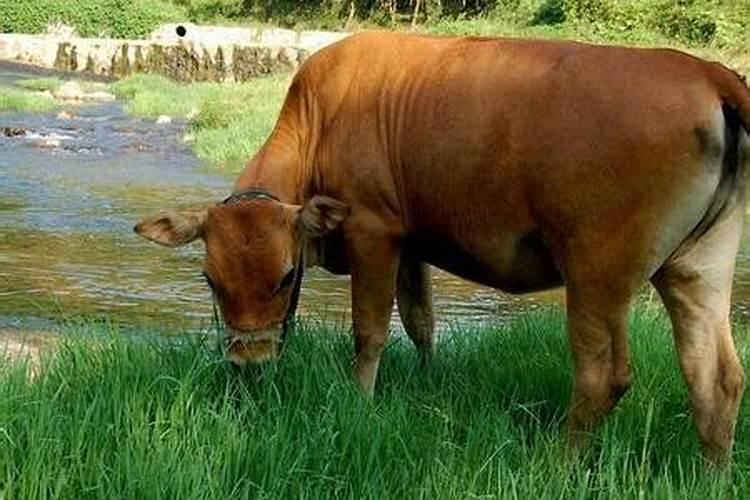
(374, 268)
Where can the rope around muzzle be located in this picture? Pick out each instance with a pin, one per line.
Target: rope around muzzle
(288, 322)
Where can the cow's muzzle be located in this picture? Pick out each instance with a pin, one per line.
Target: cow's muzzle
(254, 346)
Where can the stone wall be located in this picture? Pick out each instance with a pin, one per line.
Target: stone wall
(184, 52)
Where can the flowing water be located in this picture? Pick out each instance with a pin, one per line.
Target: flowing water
(71, 190)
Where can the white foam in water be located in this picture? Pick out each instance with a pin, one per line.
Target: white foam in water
(34, 136)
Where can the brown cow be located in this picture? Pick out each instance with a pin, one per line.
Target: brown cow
(521, 165)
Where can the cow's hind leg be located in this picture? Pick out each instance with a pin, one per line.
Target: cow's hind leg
(414, 298)
(696, 288)
(597, 332)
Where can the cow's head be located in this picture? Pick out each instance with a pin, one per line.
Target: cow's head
(254, 248)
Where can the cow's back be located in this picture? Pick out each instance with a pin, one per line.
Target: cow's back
(475, 145)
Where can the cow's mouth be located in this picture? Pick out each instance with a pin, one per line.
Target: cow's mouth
(253, 348)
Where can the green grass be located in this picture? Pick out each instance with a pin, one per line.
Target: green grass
(139, 418)
(40, 84)
(228, 122)
(153, 95)
(33, 95)
(24, 101)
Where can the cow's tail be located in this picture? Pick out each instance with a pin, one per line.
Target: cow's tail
(735, 105)
(733, 91)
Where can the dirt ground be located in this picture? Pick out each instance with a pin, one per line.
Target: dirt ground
(16, 345)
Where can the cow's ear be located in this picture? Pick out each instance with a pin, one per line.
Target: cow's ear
(172, 229)
(322, 214)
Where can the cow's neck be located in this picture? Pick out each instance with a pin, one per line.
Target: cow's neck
(277, 168)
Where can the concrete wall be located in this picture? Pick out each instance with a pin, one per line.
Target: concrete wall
(198, 53)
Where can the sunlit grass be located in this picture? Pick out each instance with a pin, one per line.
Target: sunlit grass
(22, 101)
(226, 122)
(153, 95)
(40, 84)
(142, 418)
(234, 120)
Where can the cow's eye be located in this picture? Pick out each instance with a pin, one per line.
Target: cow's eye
(286, 281)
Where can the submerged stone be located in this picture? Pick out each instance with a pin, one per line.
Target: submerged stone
(13, 131)
(73, 91)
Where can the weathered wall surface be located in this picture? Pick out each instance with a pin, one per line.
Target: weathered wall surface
(199, 53)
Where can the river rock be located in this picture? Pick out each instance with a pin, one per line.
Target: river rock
(64, 115)
(50, 143)
(13, 131)
(72, 91)
(185, 52)
(61, 30)
(69, 91)
(99, 95)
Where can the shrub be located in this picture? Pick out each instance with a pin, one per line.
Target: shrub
(550, 12)
(206, 10)
(111, 18)
(695, 22)
(590, 11)
(690, 22)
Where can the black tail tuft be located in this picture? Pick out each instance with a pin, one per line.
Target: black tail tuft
(732, 182)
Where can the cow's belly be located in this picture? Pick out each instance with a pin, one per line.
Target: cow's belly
(521, 264)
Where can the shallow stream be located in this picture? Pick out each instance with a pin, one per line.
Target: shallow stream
(71, 190)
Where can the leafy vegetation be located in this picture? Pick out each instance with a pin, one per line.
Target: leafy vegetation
(153, 419)
(720, 23)
(109, 18)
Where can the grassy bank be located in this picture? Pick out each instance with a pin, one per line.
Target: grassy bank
(18, 100)
(227, 123)
(142, 419)
(35, 95)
